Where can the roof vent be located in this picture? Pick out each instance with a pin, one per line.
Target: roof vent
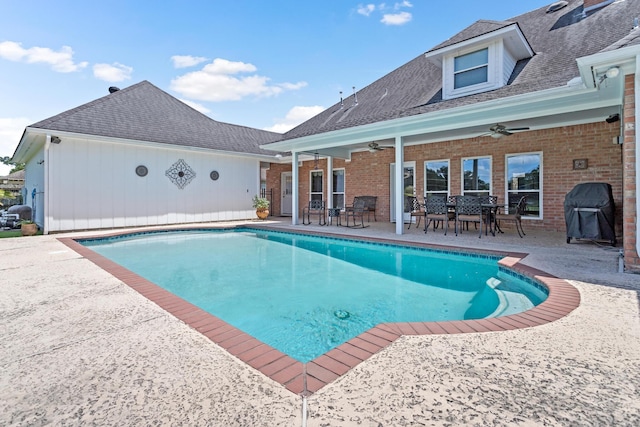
(557, 6)
(113, 89)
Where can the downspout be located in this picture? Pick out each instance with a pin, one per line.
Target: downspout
(45, 199)
(294, 188)
(399, 181)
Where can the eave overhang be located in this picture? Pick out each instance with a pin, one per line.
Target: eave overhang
(512, 36)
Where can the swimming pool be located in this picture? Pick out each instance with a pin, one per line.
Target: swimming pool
(305, 295)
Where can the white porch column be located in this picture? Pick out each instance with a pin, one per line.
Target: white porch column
(399, 190)
(295, 188)
(329, 182)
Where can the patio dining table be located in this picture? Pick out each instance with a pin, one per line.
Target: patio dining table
(489, 208)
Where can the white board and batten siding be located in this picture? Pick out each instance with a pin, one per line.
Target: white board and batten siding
(95, 186)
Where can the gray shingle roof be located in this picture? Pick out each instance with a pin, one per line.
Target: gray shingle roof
(474, 30)
(144, 112)
(557, 39)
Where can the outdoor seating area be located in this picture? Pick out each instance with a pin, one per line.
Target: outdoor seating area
(438, 210)
(484, 212)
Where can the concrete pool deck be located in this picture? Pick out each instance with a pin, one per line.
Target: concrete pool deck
(79, 347)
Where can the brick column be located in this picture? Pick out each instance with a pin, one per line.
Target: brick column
(630, 215)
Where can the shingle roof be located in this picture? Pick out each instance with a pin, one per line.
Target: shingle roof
(144, 112)
(557, 39)
(474, 30)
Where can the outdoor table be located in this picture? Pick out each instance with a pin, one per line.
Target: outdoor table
(491, 223)
(334, 213)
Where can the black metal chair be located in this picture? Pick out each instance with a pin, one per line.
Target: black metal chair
(514, 215)
(468, 209)
(355, 212)
(415, 209)
(437, 211)
(316, 207)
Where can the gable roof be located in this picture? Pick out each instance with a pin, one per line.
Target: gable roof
(557, 39)
(144, 112)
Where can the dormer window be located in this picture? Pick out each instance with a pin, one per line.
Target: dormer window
(482, 62)
(471, 69)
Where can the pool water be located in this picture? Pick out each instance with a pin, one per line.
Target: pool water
(305, 295)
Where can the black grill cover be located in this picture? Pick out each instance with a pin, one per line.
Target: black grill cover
(589, 212)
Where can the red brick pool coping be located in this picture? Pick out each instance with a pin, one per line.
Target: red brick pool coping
(307, 378)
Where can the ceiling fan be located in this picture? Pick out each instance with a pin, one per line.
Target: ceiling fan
(374, 146)
(498, 131)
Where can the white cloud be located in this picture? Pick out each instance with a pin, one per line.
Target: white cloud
(294, 117)
(184, 61)
(11, 129)
(396, 18)
(218, 81)
(366, 10)
(112, 72)
(196, 106)
(405, 3)
(60, 61)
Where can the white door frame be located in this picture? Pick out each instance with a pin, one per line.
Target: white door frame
(286, 199)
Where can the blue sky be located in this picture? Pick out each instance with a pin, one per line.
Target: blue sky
(264, 64)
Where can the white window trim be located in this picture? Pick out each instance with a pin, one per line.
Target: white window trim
(424, 170)
(311, 193)
(462, 190)
(344, 190)
(540, 191)
(494, 71)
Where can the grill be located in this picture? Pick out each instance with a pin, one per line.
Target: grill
(589, 212)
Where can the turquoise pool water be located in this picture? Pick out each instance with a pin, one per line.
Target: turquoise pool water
(305, 295)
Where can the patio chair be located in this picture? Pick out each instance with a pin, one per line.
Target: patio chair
(316, 207)
(369, 205)
(468, 209)
(437, 211)
(356, 211)
(514, 215)
(415, 209)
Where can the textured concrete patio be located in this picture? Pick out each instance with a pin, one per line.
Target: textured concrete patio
(78, 347)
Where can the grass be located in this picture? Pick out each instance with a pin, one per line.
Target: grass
(13, 233)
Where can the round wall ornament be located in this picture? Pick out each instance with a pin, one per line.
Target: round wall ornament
(214, 175)
(142, 170)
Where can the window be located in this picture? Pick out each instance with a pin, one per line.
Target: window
(338, 188)
(471, 69)
(436, 177)
(476, 176)
(523, 179)
(316, 185)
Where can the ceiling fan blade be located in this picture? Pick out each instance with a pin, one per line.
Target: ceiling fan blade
(516, 129)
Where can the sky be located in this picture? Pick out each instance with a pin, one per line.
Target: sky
(263, 64)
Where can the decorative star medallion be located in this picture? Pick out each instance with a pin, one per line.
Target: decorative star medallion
(180, 173)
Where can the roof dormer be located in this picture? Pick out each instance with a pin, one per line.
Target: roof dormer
(480, 58)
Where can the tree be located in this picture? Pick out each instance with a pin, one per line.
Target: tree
(16, 166)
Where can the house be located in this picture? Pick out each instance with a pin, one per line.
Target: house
(11, 188)
(529, 106)
(138, 157)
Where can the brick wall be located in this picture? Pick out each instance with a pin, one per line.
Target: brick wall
(631, 259)
(368, 173)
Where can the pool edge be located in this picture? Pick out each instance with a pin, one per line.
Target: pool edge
(307, 378)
